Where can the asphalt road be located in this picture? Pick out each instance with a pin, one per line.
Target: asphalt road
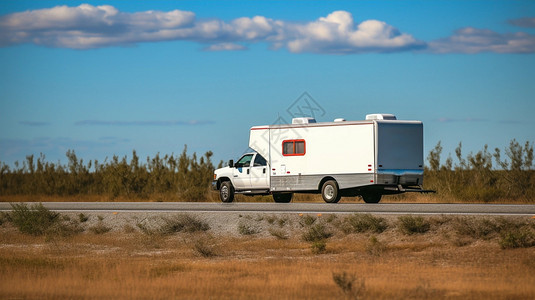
(387, 208)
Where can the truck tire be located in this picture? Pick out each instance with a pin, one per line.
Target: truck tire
(330, 192)
(282, 197)
(226, 192)
(371, 197)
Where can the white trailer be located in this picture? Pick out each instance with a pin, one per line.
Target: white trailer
(378, 156)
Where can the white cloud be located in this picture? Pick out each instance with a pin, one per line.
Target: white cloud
(88, 26)
(336, 33)
(474, 40)
(225, 47)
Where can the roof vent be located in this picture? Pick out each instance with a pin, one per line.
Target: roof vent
(380, 117)
(306, 120)
(339, 120)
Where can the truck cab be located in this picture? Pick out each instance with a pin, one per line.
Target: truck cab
(248, 175)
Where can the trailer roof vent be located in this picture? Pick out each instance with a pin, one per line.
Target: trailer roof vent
(306, 120)
(339, 120)
(380, 117)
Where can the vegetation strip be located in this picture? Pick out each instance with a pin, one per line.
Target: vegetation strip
(485, 176)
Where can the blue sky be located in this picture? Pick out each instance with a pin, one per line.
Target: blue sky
(107, 77)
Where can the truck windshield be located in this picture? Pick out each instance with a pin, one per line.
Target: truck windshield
(244, 161)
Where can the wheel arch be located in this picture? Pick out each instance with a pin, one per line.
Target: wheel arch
(325, 179)
(221, 180)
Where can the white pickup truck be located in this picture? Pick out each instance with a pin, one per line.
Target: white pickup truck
(378, 156)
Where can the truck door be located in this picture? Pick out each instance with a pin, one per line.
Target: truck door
(241, 172)
(259, 173)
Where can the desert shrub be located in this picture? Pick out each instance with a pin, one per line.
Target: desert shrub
(318, 247)
(35, 219)
(364, 223)
(82, 218)
(278, 233)
(331, 218)
(350, 285)
(316, 232)
(271, 219)
(145, 229)
(307, 220)
(127, 228)
(3, 217)
(476, 228)
(183, 222)
(64, 228)
(38, 220)
(205, 246)
(247, 229)
(99, 228)
(374, 246)
(413, 225)
(522, 238)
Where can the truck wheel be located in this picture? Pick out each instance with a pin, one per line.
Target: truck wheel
(282, 197)
(226, 192)
(330, 192)
(371, 197)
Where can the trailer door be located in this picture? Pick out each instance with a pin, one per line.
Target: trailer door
(399, 147)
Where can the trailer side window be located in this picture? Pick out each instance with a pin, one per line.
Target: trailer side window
(293, 147)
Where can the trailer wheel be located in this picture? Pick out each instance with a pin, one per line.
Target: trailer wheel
(330, 192)
(371, 197)
(282, 197)
(226, 192)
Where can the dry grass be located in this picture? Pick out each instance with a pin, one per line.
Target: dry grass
(199, 266)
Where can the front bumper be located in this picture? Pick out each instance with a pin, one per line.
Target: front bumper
(214, 185)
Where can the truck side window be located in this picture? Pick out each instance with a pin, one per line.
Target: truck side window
(293, 147)
(259, 161)
(244, 161)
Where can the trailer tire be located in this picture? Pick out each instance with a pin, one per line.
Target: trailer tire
(371, 197)
(282, 197)
(330, 192)
(226, 192)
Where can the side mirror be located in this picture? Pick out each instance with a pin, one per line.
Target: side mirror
(231, 163)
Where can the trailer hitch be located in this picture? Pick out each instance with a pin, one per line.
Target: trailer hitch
(402, 189)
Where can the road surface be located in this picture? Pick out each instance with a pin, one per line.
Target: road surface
(387, 208)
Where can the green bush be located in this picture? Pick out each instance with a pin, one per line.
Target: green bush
(364, 223)
(318, 247)
(316, 233)
(35, 219)
(247, 229)
(169, 177)
(412, 225)
(475, 177)
(99, 228)
(307, 220)
(476, 228)
(183, 222)
(522, 238)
